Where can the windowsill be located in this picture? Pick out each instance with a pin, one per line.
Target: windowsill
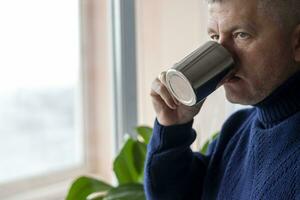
(53, 186)
(51, 192)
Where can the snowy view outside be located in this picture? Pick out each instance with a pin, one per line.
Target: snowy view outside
(39, 88)
(37, 132)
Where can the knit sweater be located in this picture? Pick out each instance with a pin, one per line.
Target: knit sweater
(256, 156)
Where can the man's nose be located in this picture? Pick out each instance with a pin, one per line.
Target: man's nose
(225, 42)
(228, 44)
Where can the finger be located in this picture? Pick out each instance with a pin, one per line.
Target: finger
(162, 77)
(159, 103)
(158, 88)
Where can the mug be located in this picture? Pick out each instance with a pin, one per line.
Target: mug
(199, 74)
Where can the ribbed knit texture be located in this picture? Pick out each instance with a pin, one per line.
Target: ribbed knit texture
(256, 156)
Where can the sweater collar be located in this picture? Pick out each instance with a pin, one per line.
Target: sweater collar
(282, 103)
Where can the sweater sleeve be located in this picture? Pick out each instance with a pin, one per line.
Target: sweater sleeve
(172, 170)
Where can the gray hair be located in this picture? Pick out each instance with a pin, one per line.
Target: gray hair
(285, 12)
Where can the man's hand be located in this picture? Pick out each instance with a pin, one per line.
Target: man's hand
(168, 110)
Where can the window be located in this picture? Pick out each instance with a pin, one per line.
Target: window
(39, 89)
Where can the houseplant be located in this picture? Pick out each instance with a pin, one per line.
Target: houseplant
(128, 167)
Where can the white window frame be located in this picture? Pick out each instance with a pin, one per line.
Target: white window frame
(124, 68)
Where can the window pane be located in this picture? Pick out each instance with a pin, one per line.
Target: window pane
(39, 70)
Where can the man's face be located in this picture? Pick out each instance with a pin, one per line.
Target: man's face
(262, 50)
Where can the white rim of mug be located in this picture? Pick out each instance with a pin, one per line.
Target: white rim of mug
(172, 72)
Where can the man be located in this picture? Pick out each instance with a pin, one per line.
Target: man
(257, 155)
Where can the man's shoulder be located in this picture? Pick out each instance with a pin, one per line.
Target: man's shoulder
(237, 122)
(238, 119)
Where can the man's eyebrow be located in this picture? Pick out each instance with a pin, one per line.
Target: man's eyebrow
(248, 26)
(233, 28)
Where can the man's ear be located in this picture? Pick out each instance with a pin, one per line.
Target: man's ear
(296, 43)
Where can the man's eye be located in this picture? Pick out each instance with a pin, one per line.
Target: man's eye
(241, 35)
(215, 37)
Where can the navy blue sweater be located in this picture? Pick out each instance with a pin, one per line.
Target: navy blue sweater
(256, 156)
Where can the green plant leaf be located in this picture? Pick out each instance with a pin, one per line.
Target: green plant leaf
(207, 143)
(144, 132)
(139, 156)
(126, 192)
(124, 164)
(84, 186)
(129, 164)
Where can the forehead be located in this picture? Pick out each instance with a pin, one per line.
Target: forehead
(225, 14)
